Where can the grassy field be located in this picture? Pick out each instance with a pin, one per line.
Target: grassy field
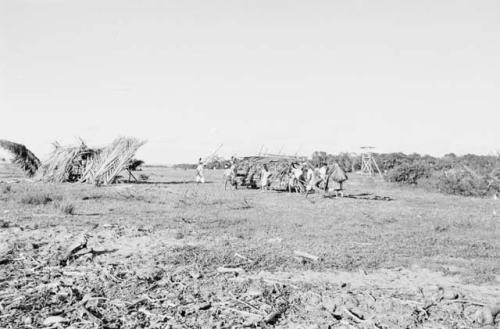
(158, 253)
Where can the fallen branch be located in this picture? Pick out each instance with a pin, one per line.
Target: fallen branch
(356, 318)
(78, 245)
(273, 317)
(306, 255)
(237, 270)
(487, 314)
(242, 257)
(255, 317)
(244, 303)
(465, 301)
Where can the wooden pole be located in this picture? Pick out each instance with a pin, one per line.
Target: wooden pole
(261, 148)
(213, 153)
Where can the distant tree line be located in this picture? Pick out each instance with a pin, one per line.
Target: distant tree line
(468, 175)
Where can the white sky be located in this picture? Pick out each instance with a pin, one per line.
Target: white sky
(407, 76)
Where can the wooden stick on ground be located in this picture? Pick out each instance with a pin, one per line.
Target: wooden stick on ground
(237, 270)
(306, 255)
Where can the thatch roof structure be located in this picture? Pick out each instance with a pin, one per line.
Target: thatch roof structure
(23, 157)
(66, 163)
(99, 166)
(114, 158)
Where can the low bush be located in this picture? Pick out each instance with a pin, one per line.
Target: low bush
(409, 173)
(65, 207)
(6, 189)
(462, 182)
(37, 199)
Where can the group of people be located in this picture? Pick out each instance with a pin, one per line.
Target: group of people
(302, 178)
(306, 178)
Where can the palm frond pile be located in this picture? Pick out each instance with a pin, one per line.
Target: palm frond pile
(336, 173)
(113, 159)
(23, 157)
(249, 169)
(67, 163)
(98, 166)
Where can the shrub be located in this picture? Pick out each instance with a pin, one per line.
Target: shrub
(462, 182)
(135, 164)
(409, 173)
(65, 207)
(37, 199)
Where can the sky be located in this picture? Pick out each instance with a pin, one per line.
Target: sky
(282, 76)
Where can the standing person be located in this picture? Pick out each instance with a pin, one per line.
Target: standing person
(309, 177)
(200, 178)
(230, 175)
(297, 178)
(313, 179)
(323, 175)
(339, 177)
(264, 177)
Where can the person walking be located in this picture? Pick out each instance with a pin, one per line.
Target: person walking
(200, 178)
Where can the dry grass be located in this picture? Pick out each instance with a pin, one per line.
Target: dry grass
(172, 235)
(6, 189)
(38, 198)
(65, 207)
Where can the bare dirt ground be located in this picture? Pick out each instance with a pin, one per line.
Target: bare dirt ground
(173, 254)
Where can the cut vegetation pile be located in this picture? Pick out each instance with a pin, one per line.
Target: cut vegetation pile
(23, 157)
(67, 163)
(113, 159)
(84, 164)
(249, 169)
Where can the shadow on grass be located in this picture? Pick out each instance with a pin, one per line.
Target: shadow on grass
(170, 183)
(362, 196)
(90, 214)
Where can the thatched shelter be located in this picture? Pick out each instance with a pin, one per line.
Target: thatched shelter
(105, 166)
(67, 163)
(22, 156)
(98, 166)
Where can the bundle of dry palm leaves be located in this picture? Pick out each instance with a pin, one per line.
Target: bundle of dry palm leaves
(336, 173)
(98, 166)
(103, 168)
(249, 168)
(66, 163)
(23, 157)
